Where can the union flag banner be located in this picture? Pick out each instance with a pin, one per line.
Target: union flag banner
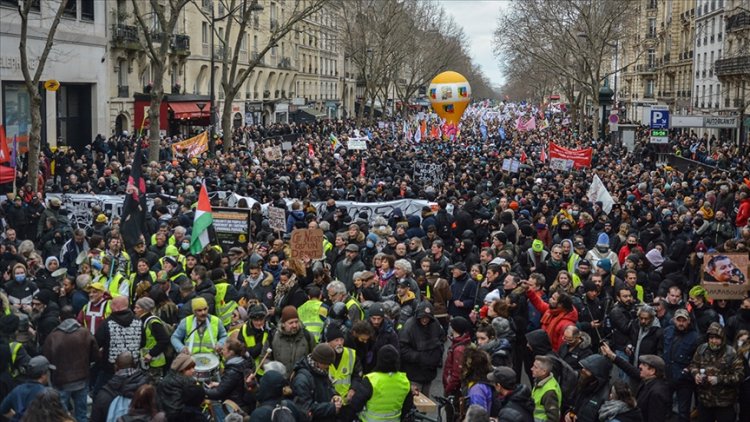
(564, 158)
(194, 146)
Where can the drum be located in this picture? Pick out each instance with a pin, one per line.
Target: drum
(206, 366)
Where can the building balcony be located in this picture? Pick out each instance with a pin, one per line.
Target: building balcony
(181, 45)
(734, 66)
(738, 22)
(739, 102)
(646, 68)
(648, 95)
(123, 91)
(125, 37)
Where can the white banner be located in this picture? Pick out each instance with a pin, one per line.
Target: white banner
(598, 192)
(357, 143)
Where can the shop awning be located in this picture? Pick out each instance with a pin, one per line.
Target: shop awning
(189, 110)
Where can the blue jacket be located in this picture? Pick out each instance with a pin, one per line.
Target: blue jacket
(679, 348)
(294, 217)
(20, 398)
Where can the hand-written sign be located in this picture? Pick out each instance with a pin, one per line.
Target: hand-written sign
(277, 218)
(307, 243)
(272, 153)
(428, 173)
(357, 143)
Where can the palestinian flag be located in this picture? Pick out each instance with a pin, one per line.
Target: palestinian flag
(203, 220)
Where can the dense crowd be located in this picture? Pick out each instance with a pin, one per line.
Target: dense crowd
(529, 300)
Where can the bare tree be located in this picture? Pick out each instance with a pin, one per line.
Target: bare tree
(157, 43)
(574, 39)
(233, 72)
(32, 83)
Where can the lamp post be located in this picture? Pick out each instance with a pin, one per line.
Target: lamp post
(212, 90)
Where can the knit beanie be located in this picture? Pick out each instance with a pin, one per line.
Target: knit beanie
(289, 312)
(603, 240)
(388, 359)
(199, 303)
(146, 303)
(323, 354)
(333, 331)
(460, 325)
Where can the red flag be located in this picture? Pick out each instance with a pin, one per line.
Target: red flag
(310, 150)
(362, 168)
(523, 156)
(4, 151)
(543, 155)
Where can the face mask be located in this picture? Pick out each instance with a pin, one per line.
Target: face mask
(603, 249)
(185, 246)
(714, 347)
(699, 255)
(740, 343)
(574, 213)
(370, 244)
(20, 278)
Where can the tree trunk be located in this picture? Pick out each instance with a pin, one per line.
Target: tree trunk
(226, 121)
(35, 138)
(154, 137)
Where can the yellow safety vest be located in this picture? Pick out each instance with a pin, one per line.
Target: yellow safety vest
(224, 309)
(202, 343)
(14, 348)
(180, 259)
(351, 302)
(113, 285)
(312, 314)
(250, 343)
(388, 393)
(341, 377)
(156, 361)
(170, 240)
(539, 391)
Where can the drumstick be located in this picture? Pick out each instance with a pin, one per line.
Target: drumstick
(260, 365)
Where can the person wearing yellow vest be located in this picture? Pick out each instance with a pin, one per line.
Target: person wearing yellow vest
(19, 358)
(173, 270)
(255, 333)
(385, 394)
(172, 252)
(226, 300)
(631, 282)
(97, 309)
(121, 258)
(141, 280)
(163, 230)
(115, 283)
(337, 293)
(313, 313)
(546, 393)
(199, 332)
(154, 338)
(346, 370)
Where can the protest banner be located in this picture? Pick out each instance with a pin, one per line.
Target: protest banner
(286, 146)
(307, 243)
(232, 226)
(277, 218)
(579, 157)
(725, 275)
(428, 173)
(357, 143)
(598, 192)
(192, 147)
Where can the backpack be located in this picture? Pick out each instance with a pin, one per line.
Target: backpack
(282, 413)
(118, 407)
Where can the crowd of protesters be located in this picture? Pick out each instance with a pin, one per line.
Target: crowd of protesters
(516, 295)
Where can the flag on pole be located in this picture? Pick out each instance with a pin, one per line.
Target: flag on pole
(501, 132)
(523, 156)
(598, 192)
(531, 124)
(362, 168)
(544, 124)
(203, 220)
(542, 155)
(4, 150)
(310, 150)
(418, 135)
(134, 207)
(335, 144)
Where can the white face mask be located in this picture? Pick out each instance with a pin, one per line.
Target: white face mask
(699, 255)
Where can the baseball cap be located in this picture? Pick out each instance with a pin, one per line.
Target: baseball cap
(96, 286)
(38, 366)
(504, 376)
(537, 245)
(682, 313)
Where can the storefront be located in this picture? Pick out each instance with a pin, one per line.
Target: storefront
(253, 112)
(178, 114)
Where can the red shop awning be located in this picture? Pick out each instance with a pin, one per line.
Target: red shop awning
(188, 110)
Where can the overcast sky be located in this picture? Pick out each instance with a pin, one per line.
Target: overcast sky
(478, 18)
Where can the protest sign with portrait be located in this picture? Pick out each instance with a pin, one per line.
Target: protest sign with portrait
(725, 275)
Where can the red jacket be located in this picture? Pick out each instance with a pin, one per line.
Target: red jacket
(454, 363)
(743, 214)
(554, 321)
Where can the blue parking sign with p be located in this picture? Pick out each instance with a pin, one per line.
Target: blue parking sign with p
(659, 119)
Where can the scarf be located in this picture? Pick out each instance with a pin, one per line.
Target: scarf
(282, 289)
(611, 408)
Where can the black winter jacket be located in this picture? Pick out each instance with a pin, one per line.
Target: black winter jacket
(232, 385)
(517, 406)
(170, 392)
(124, 383)
(421, 349)
(313, 391)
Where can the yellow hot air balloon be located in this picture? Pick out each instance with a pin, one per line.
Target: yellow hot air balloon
(449, 94)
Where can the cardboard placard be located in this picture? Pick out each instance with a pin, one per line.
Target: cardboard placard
(272, 153)
(307, 243)
(277, 218)
(725, 275)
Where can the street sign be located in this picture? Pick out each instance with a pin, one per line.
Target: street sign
(659, 119)
(614, 119)
(659, 136)
(660, 133)
(51, 85)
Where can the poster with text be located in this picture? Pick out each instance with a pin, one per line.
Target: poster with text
(725, 275)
